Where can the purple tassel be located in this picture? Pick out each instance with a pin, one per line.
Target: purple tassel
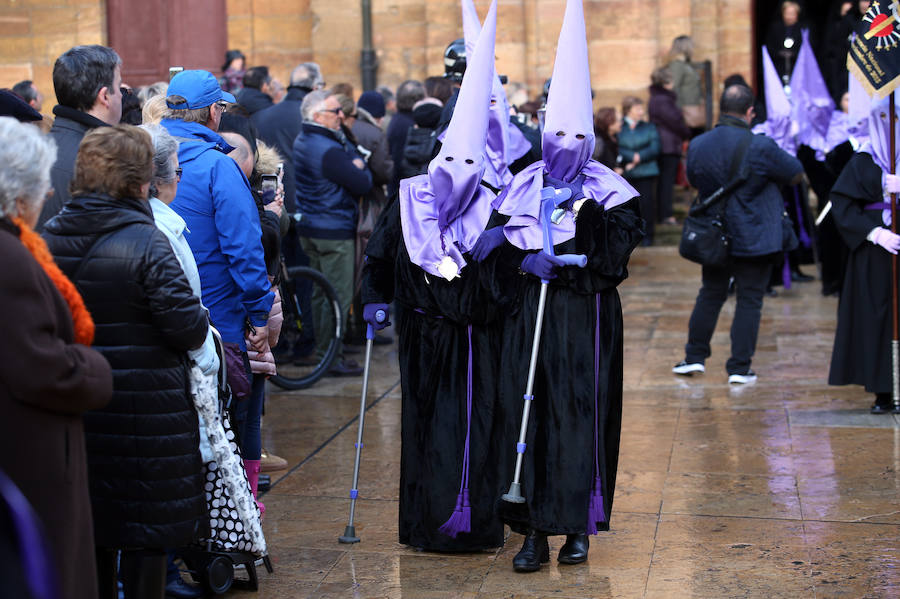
(595, 508)
(786, 272)
(461, 520)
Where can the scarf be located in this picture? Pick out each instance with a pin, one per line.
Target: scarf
(81, 318)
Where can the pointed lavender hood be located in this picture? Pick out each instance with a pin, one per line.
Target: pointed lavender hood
(505, 143)
(779, 125)
(812, 105)
(568, 138)
(567, 145)
(444, 211)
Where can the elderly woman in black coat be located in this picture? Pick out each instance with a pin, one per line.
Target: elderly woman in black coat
(145, 468)
(49, 376)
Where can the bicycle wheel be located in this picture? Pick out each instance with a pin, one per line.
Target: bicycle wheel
(312, 329)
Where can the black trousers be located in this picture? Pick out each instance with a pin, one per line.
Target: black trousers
(647, 188)
(143, 573)
(750, 278)
(668, 170)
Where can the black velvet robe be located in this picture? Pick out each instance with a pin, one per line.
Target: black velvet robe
(832, 249)
(432, 318)
(559, 465)
(862, 344)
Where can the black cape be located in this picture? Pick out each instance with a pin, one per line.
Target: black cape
(560, 457)
(862, 344)
(432, 320)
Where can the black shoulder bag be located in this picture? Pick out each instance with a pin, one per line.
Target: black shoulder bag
(705, 239)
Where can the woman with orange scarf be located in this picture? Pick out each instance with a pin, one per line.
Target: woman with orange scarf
(49, 376)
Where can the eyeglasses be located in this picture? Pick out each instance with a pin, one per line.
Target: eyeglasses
(223, 106)
(178, 174)
(332, 110)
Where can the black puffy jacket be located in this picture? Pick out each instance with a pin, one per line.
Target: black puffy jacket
(144, 464)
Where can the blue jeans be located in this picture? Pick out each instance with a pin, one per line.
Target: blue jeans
(247, 417)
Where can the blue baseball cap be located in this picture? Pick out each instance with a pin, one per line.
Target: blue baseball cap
(199, 88)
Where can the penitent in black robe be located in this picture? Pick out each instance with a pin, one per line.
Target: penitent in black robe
(432, 320)
(862, 344)
(561, 458)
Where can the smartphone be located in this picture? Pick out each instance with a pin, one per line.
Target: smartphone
(174, 71)
(269, 181)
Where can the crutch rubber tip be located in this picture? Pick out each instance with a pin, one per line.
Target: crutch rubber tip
(349, 536)
(512, 498)
(514, 495)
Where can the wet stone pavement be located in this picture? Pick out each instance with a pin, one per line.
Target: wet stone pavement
(786, 488)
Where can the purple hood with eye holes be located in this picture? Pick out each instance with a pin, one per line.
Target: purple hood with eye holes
(567, 145)
(443, 212)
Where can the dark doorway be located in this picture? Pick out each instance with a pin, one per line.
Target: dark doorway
(819, 15)
(152, 36)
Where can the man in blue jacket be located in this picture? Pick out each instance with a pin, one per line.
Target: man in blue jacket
(216, 203)
(329, 181)
(753, 215)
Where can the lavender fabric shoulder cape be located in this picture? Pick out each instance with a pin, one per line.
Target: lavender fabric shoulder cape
(428, 246)
(521, 200)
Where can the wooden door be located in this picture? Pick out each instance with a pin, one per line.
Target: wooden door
(152, 36)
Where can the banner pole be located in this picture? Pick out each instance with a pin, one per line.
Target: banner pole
(895, 341)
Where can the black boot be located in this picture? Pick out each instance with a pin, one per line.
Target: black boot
(575, 551)
(534, 552)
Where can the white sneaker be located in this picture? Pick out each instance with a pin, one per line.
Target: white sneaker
(685, 369)
(742, 379)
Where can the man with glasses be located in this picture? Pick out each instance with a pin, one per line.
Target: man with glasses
(329, 180)
(223, 229)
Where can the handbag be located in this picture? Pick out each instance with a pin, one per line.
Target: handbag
(704, 238)
(694, 116)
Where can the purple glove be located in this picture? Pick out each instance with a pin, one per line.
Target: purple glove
(541, 265)
(889, 241)
(575, 187)
(487, 242)
(370, 315)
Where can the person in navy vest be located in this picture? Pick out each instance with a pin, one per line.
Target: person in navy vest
(329, 180)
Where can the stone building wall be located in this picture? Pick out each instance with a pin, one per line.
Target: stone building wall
(33, 33)
(627, 39)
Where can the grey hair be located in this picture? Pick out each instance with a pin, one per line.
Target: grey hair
(313, 102)
(164, 145)
(150, 91)
(409, 92)
(307, 75)
(682, 45)
(25, 160)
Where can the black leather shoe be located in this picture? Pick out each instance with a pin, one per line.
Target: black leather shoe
(575, 551)
(884, 404)
(345, 368)
(534, 552)
(179, 589)
(799, 277)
